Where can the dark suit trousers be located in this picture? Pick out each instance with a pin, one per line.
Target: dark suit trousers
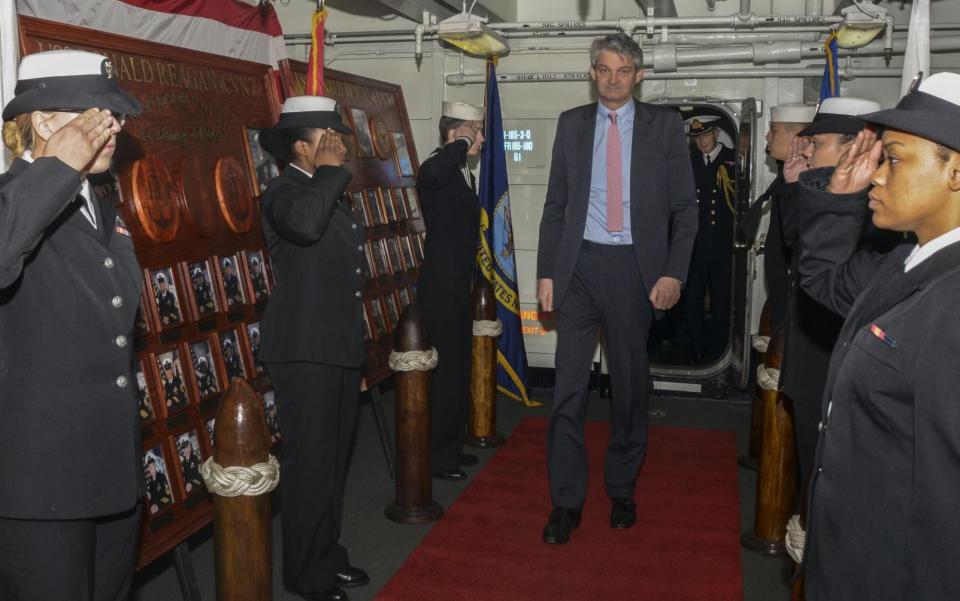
(69, 560)
(447, 312)
(317, 408)
(708, 272)
(606, 291)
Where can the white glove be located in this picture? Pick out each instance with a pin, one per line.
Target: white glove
(796, 539)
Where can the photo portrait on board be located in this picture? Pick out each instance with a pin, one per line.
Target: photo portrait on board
(159, 495)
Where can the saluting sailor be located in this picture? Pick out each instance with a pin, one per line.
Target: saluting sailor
(812, 329)
(69, 290)
(312, 338)
(883, 520)
(451, 213)
(711, 261)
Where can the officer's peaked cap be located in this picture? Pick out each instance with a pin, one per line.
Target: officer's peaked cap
(68, 80)
(930, 110)
(701, 125)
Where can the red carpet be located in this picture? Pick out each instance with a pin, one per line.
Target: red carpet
(685, 545)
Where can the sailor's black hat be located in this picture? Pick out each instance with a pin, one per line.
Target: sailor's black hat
(840, 115)
(930, 110)
(304, 111)
(68, 80)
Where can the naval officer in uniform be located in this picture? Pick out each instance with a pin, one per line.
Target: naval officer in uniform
(69, 289)
(312, 339)
(451, 212)
(711, 262)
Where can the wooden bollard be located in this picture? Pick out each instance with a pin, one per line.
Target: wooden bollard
(749, 460)
(777, 470)
(414, 502)
(482, 413)
(241, 525)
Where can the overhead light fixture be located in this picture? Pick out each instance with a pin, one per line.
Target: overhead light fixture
(471, 34)
(860, 25)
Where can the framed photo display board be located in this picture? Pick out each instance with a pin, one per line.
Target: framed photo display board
(186, 182)
(383, 161)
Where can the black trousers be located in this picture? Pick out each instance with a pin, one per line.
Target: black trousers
(317, 408)
(606, 292)
(69, 560)
(806, 418)
(709, 272)
(447, 312)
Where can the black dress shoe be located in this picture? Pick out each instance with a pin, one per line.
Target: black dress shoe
(352, 576)
(466, 460)
(562, 521)
(330, 594)
(454, 474)
(624, 513)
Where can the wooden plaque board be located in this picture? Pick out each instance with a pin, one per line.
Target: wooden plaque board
(383, 161)
(186, 194)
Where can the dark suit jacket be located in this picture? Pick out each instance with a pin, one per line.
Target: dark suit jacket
(882, 521)
(69, 427)
(663, 204)
(316, 248)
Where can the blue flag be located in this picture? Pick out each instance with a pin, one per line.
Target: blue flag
(830, 84)
(496, 257)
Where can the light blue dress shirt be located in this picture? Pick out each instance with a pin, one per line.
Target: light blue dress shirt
(596, 228)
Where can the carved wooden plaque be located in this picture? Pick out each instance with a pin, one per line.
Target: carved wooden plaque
(156, 199)
(197, 195)
(233, 192)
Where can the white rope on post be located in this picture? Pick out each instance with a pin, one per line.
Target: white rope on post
(768, 378)
(760, 343)
(413, 360)
(483, 327)
(237, 480)
(796, 539)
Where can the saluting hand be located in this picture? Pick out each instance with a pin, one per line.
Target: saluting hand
(796, 163)
(857, 165)
(665, 293)
(331, 150)
(78, 142)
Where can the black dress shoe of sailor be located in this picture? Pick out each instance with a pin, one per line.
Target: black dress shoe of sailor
(454, 474)
(352, 576)
(623, 514)
(562, 521)
(330, 594)
(466, 460)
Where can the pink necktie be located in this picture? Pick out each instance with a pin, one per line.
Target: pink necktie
(614, 178)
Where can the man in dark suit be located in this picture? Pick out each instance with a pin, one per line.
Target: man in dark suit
(713, 173)
(615, 240)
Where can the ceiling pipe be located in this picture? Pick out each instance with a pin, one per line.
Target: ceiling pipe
(846, 73)
(406, 34)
